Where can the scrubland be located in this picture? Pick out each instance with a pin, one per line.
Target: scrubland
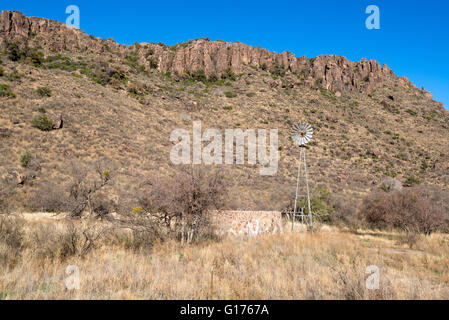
(331, 263)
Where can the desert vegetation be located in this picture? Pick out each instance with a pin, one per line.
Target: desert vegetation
(85, 176)
(418, 210)
(116, 263)
(167, 246)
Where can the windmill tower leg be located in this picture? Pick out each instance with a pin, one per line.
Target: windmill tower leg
(308, 193)
(297, 190)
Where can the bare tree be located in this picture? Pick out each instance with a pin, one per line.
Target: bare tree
(86, 181)
(182, 204)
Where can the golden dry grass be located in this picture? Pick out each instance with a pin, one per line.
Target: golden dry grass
(329, 264)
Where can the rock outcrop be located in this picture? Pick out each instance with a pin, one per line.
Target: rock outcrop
(391, 184)
(215, 58)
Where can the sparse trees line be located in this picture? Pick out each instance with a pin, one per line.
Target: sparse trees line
(82, 191)
(167, 207)
(48, 241)
(416, 210)
(179, 206)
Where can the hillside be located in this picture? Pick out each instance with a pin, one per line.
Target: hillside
(122, 102)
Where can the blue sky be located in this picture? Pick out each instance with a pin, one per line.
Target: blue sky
(413, 38)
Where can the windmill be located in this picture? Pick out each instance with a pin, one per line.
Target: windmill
(302, 133)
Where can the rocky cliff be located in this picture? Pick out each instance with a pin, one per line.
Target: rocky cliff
(215, 58)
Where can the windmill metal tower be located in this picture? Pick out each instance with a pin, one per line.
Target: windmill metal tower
(302, 133)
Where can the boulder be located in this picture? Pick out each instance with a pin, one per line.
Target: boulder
(391, 184)
(59, 124)
(14, 177)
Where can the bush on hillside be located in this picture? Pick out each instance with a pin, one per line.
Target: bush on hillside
(44, 91)
(17, 52)
(25, 159)
(42, 123)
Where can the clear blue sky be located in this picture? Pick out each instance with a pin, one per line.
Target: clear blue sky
(413, 39)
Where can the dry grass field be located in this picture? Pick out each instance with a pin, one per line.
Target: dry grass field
(329, 264)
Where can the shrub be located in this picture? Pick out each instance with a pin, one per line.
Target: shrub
(133, 58)
(15, 76)
(63, 63)
(48, 197)
(2, 72)
(25, 159)
(143, 239)
(213, 78)
(86, 183)
(320, 204)
(13, 51)
(11, 239)
(229, 75)
(345, 212)
(153, 63)
(44, 92)
(230, 94)
(34, 57)
(5, 92)
(42, 123)
(11, 231)
(77, 241)
(150, 52)
(17, 53)
(136, 89)
(278, 70)
(198, 75)
(6, 191)
(104, 74)
(70, 240)
(137, 210)
(420, 210)
(180, 205)
(411, 181)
